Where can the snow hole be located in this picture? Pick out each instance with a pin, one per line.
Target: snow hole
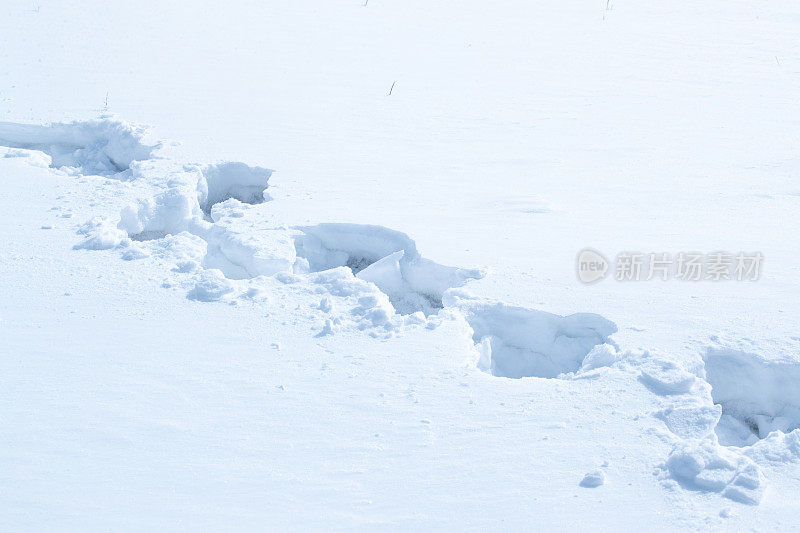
(757, 395)
(516, 342)
(232, 179)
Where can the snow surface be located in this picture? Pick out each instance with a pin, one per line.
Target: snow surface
(387, 332)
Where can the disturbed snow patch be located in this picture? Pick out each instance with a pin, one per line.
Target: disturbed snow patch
(197, 219)
(100, 234)
(706, 466)
(515, 342)
(697, 462)
(102, 146)
(385, 257)
(189, 194)
(241, 245)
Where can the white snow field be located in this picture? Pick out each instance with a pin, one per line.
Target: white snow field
(347, 299)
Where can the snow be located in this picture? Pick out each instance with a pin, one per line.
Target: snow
(99, 146)
(754, 392)
(233, 180)
(385, 257)
(526, 342)
(387, 331)
(705, 467)
(593, 479)
(367, 284)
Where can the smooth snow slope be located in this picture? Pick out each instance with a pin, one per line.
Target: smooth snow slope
(514, 136)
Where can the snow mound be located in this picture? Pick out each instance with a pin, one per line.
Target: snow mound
(102, 146)
(757, 395)
(516, 342)
(385, 257)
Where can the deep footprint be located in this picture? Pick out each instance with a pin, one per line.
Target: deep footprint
(516, 342)
(757, 395)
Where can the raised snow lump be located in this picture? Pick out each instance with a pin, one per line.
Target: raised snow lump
(758, 395)
(385, 257)
(102, 146)
(516, 342)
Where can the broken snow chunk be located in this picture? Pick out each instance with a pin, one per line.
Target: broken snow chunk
(375, 309)
(327, 329)
(593, 479)
(325, 305)
(416, 319)
(211, 286)
(385, 273)
(133, 253)
(240, 252)
(599, 356)
(230, 208)
(100, 234)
